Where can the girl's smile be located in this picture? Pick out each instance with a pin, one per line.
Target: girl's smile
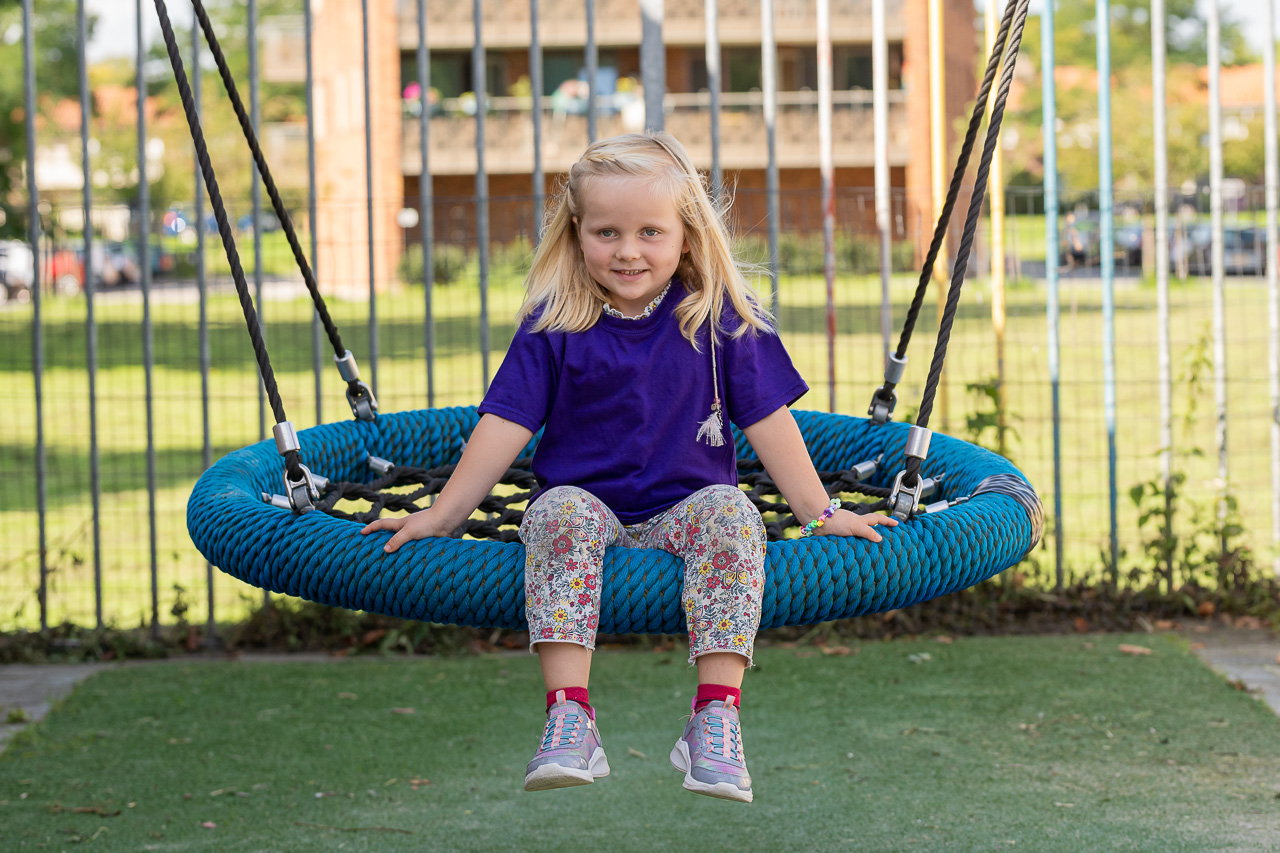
(632, 238)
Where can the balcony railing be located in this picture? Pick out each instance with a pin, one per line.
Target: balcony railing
(563, 22)
(743, 144)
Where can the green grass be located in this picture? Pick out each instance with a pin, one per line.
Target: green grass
(402, 384)
(1042, 743)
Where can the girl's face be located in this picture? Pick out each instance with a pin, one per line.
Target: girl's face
(632, 239)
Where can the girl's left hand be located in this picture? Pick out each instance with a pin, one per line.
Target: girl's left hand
(846, 523)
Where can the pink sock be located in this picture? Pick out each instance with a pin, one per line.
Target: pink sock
(708, 693)
(572, 694)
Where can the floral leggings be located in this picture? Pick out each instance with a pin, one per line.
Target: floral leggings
(716, 531)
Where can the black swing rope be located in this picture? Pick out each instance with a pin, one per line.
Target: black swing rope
(432, 480)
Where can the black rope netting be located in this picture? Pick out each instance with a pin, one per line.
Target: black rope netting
(405, 489)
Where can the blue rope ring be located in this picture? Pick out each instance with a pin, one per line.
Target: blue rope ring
(481, 582)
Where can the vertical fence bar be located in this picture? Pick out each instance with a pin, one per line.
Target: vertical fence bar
(426, 222)
(1273, 274)
(1049, 89)
(37, 320)
(202, 289)
(995, 196)
(316, 343)
(148, 342)
(880, 129)
(90, 318)
(938, 169)
(826, 168)
(535, 112)
(1161, 163)
(1107, 243)
(255, 194)
(368, 203)
(482, 187)
(591, 58)
(1214, 32)
(653, 63)
(769, 87)
(713, 88)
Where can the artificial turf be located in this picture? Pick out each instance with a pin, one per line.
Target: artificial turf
(1028, 743)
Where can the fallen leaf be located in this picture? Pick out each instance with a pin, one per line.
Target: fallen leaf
(1206, 609)
(1166, 624)
(1082, 625)
(840, 651)
(920, 658)
(1196, 647)
(174, 741)
(1065, 805)
(943, 638)
(402, 711)
(372, 636)
(345, 695)
(637, 753)
(1127, 649)
(208, 824)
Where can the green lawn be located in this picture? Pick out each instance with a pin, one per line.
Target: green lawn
(1041, 743)
(402, 384)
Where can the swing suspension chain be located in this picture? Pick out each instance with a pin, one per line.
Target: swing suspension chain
(911, 474)
(359, 394)
(293, 465)
(953, 194)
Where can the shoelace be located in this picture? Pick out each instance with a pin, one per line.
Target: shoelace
(562, 729)
(713, 732)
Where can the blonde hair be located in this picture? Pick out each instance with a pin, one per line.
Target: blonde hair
(569, 300)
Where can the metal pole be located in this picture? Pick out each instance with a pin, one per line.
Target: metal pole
(880, 127)
(1214, 33)
(426, 221)
(206, 432)
(37, 331)
(1107, 242)
(938, 169)
(535, 110)
(995, 194)
(482, 189)
(368, 205)
(1047, 65)
(653, 62)
(90, 320)
(1159, 122)
(827, 169)
(592, 59)
(255, 190)
(316, 343)
(1273, 275)
(769, 85)
(713, 88)
(148, 349)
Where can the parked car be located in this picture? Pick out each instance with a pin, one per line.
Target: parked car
(1244, 249)
(1081, 244)
(62, 271)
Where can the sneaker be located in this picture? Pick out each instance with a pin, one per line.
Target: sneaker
(571, 752)
(710, 754)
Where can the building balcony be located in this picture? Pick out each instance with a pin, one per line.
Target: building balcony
(743, 143)
(562, 23)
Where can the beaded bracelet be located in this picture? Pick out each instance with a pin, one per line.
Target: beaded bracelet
(822, 519)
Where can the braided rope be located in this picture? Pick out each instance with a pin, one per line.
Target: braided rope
(292, 462)
(912, 475)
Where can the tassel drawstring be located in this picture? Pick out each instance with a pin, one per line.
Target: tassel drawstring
(712, 429)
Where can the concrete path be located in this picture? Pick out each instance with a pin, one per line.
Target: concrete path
(1251, 657)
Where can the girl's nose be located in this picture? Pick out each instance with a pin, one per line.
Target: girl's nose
(627, 250)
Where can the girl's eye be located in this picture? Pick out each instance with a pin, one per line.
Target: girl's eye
(605, 232)
(651, 232)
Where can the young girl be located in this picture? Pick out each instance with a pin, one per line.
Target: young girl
(638, 339)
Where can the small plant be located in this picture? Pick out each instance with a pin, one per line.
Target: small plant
(17, 716)
(986, 426)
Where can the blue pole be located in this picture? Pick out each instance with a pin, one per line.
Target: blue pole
(1107, 250)
(1050, 118)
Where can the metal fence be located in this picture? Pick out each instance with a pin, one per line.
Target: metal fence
(115, 398)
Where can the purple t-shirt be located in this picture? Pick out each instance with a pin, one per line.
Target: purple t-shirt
(622, 402)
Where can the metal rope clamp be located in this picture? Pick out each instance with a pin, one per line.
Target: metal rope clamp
(304, 491)
(905, 501)
(359, 395)
(884, 400)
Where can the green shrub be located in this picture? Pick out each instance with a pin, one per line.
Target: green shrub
(448, 263)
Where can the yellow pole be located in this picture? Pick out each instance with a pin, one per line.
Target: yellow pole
(995, 192)
(937, 169)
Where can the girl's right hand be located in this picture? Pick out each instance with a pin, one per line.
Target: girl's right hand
(418, 525)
